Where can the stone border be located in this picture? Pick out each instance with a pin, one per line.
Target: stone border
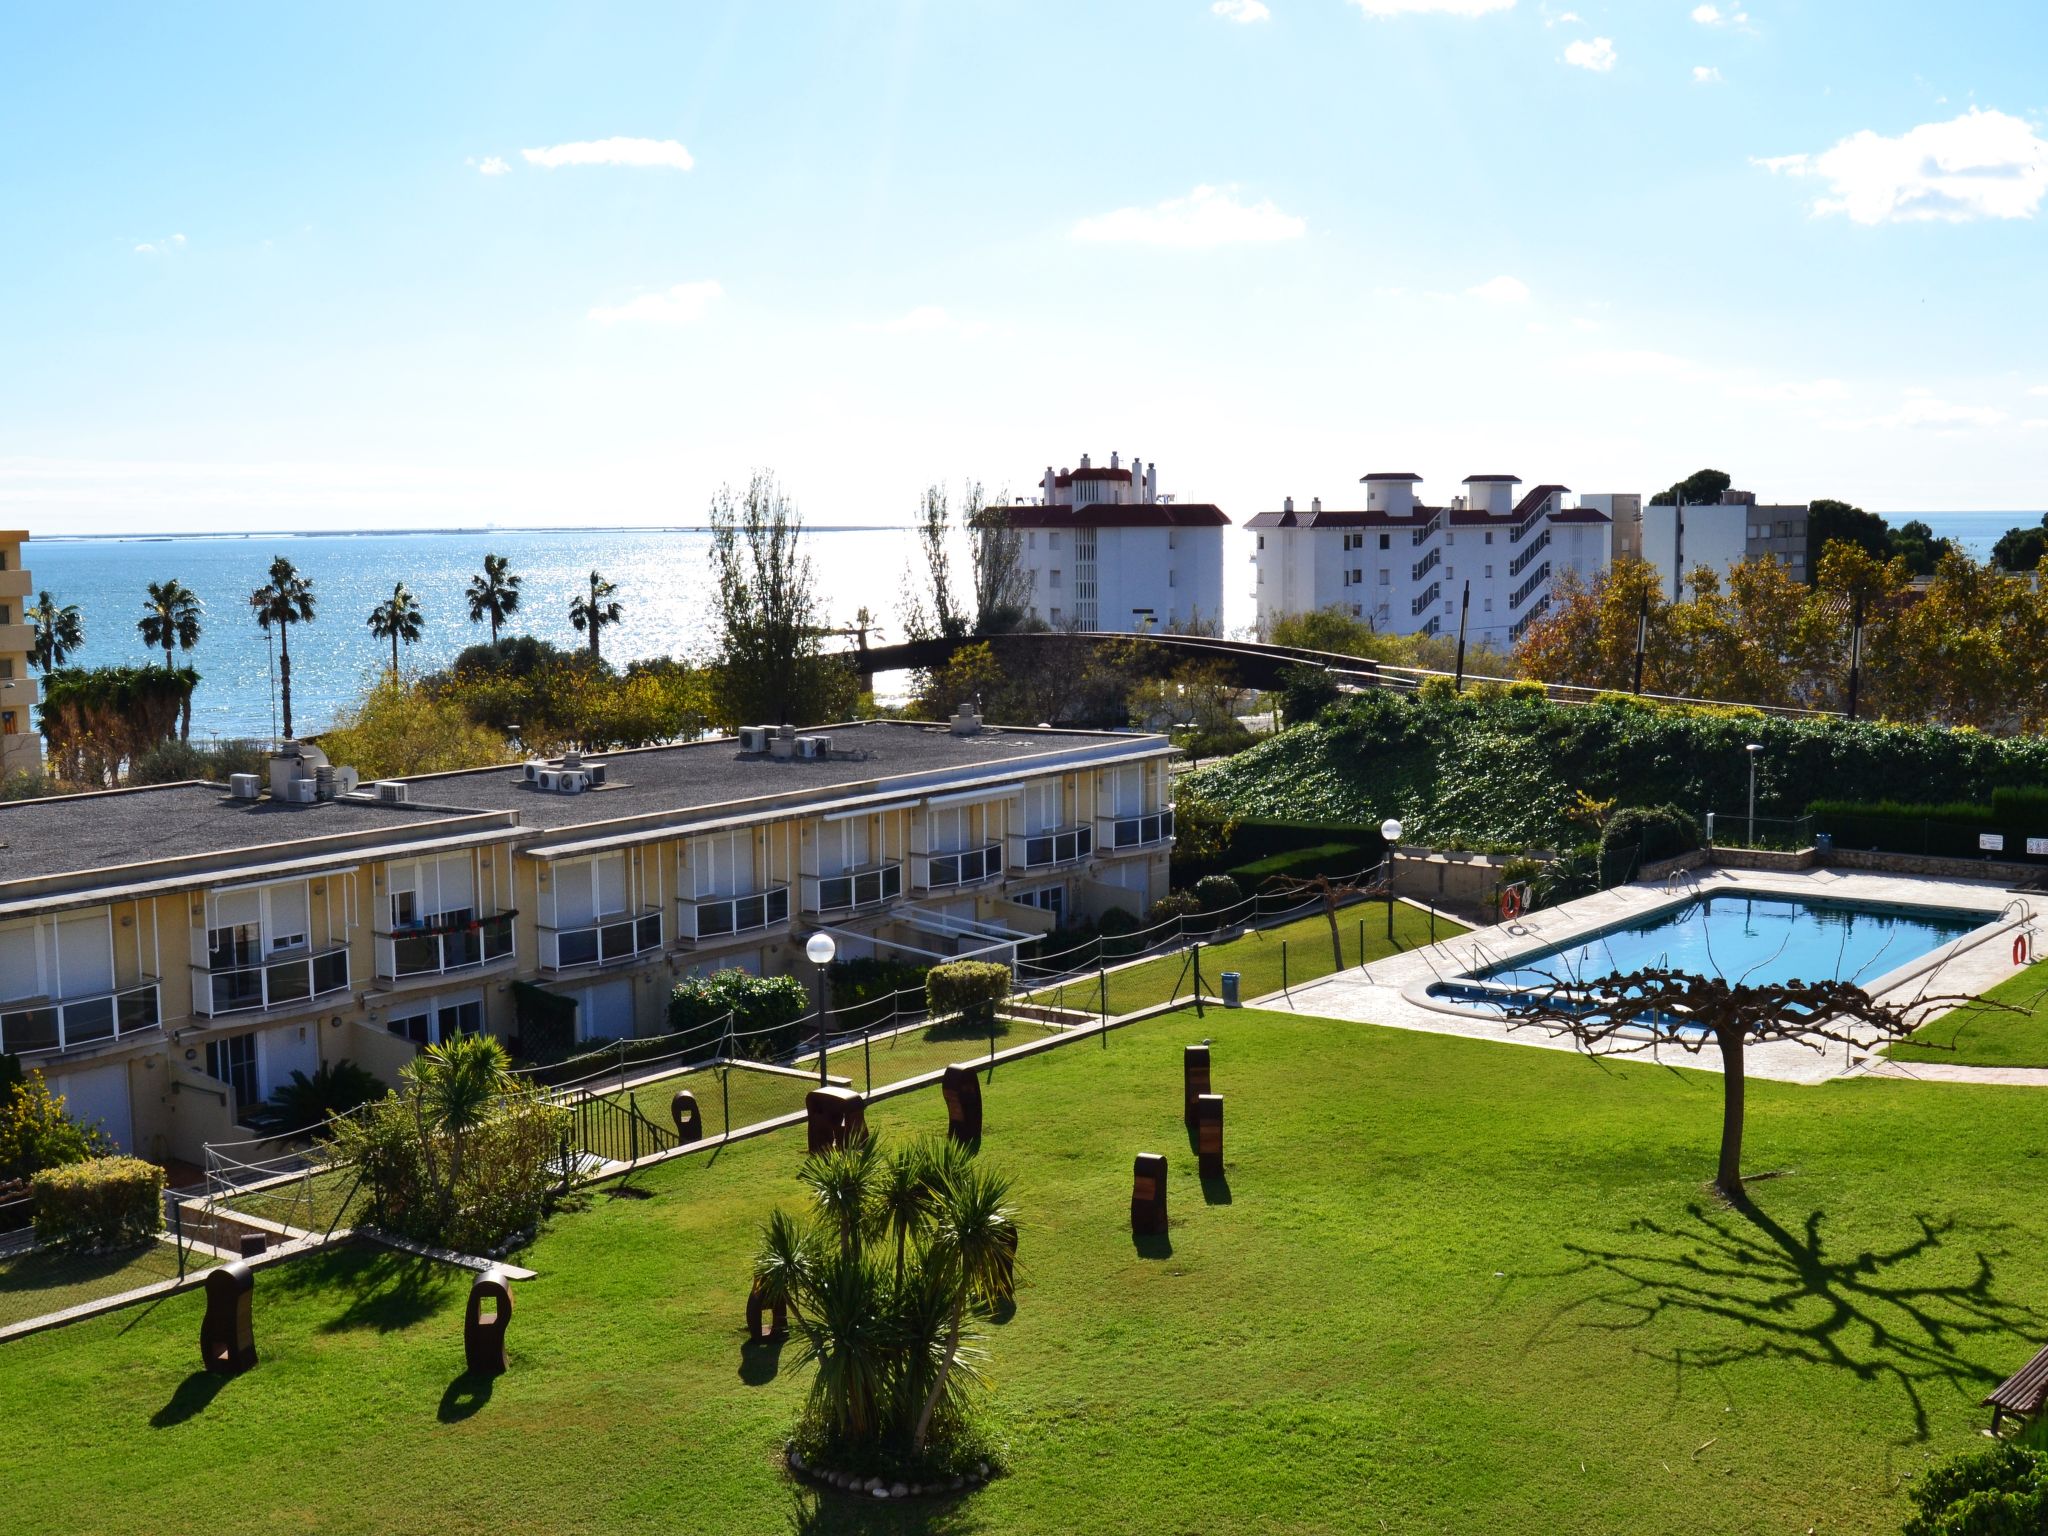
(874, 1487)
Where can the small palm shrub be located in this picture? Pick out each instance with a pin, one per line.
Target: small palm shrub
(334, 1089)
(884, 1277)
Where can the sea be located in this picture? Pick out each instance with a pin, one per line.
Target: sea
(663, 578)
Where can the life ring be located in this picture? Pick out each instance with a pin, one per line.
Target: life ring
(2019, 948)
(1510, 904)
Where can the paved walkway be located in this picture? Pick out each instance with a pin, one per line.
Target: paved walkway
(1394, 991)
(1957, 1072)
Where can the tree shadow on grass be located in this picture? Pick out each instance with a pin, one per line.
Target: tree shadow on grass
(760, 1359)
(1865, 1313)
(395, 1292)
(822, 1512)
(192, 1396)
(466, 1394)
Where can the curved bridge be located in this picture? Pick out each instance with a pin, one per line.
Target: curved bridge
(1248, 663)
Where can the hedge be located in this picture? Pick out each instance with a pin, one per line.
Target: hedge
(764, 1009)
(970, 988)
(103, 1202)
(1949, 831)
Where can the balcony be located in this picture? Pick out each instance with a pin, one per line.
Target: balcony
(607, 941)
(1536, 579)
(15, 583)
(281, 983)
(956, 871)
(1048, 850)
(444, 944)
(712, 918)
(1129, 834)
(853, 891)
(63, 1026)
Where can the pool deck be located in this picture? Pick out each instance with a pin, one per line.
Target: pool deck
(1394, 991)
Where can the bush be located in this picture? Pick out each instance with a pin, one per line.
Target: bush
(37, 1133)
(764, 1009)
(174, 762)
(1223, 741)
(871, 977)
(1304, 693)
(400, 727)
(1215, 892)
(969, 988)
(100, 1203)
(1172, 905)
(1115, 927)
(335, 1088)
(1662, 831)
(1998, 1492)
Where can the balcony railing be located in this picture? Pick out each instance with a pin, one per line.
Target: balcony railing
(950, 871)
(1521, 562)
(853, 890)
(722, 917)
(1536, 579)
(604, 942)
(437, 946)
(1129, 832)
(62, 1026)
(1425, 565)
(1041, 850)
(274, 984)
(1427, 600)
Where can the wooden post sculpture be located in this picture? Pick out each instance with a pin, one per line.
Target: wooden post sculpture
(1209, 1135)
(837, 1116)
(759, 1309)
(483, 1338)
(962, 1087)
(1148, 1195)
(227, 1340)
(1194, 1080)
(689, 1122)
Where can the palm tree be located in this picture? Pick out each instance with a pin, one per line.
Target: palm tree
(397, 618)
(58, 632)
(457, 1084)
(593, 614)
(493, 596)
(286, 599)
(973, 1255)
(170, 617)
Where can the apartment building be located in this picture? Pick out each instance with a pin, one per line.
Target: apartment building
(1403, 565)
(169, 956)
(21, 747)
(1107, 551)
(1678, 540)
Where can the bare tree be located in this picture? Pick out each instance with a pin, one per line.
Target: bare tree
(1334, 894)
(931, 609)
(1002, 581)
(1627, 1014)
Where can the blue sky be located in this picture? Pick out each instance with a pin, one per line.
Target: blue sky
(403, 266)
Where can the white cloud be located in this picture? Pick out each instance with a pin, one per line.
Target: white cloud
(1206, 216)
(1597, 55)
(1714, 16)
(1705, 74)
(2039, 389)
(1792, 391)
(616, 151)
(1444, 7)
(925, 320)
(1982, 165)
(164, 247)
(1501, 290)
(1627, 364)
(489, 165)
(1241, 10)
(1923, 411)
(673, 306)
(1567, 19)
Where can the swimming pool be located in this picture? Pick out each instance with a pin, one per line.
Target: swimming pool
(1754, 938)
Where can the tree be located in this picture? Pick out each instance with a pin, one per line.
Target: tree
(1002, 581)
(1703, 487)
(1829, 522)
(455, 1085)
(771, 669)
(397, 618)
(37, 1132)
(171, 617)
(1915, 543)
(59, 632)
(972, 1258)
(1630, 1014)
(286, 599)
(594, 612)
(494, 596)
(2020, 549)
(931, 610)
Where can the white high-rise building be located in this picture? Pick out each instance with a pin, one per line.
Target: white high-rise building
(1107, 552)
(1403, 565)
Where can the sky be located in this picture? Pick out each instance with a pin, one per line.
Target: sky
(384, 266)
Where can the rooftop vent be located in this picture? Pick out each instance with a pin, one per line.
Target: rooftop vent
(245, 786)
(966, 721)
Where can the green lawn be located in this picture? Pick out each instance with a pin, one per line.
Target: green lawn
(1990, 1037)
(1257, 959)
(1448, 1286)
(43, 1281)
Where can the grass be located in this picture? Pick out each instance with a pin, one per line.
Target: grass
(1257, 959)
(1989, 1037)
(44, 1280)
(1447, 1286)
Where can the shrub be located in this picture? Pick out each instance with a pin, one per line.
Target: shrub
(1173, 904)
(1437, 690)
(100, 1203)
(1663, 831)
(1570, 876)
(400, 727)
(970, 988)
(1222, 741)
(1215, 892)
(1116, 922)
(764, 1009)
(1201, 831)
(335, 1088)
(1304, 693)
(173, 762)
(871, 977)
(36, 1132)
(1998, 1492)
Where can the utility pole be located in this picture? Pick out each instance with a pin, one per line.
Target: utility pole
(1642, 637)
(1464, 606)
(1855, 651)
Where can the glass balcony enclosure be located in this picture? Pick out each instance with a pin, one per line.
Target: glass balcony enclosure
(26, 1028)
(448, 941)
(276, 983)
(606, 941)
(719, 917)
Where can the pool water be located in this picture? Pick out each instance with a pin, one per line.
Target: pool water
(1749, 938)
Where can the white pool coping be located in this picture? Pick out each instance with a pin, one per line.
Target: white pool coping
(1394, 991)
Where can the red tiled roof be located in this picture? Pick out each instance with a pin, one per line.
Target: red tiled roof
(1580, 515)
(1110, 514)
(1068, 477)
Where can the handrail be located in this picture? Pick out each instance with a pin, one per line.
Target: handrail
(62, 1023)
(752, 912)
(615, 936)
(271, 983)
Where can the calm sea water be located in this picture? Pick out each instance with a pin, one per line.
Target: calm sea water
(663, 581)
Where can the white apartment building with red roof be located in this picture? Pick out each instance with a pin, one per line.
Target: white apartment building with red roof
(1107, 552)
(1404, 566)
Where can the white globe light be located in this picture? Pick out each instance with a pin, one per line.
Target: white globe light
(1390, 829)
(820, 948)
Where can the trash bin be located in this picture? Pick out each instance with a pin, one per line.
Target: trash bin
(1824, 841)
(1230, 989)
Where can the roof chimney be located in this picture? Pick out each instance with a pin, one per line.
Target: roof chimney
(1287, 505)
(1114, 461)
(1084, 461)
(1316, 505)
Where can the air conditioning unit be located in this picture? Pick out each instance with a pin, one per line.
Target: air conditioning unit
(245, 786)
(813, 749)
(346, 780)
(594, 772)
(564, 781)
(782, 745)
(530, 771)
(392, 791)
(302, 791)
(754, 738)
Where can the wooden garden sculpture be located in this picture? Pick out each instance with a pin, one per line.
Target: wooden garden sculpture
(1194, 1080)
(483, 1337)
(689, 1121)
(760, 1310)
(1148, 1195)
(836, 1117)
(1209, 1135)
(227, 1338)
(962, 1088)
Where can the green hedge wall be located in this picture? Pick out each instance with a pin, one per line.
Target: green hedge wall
(101, 1203)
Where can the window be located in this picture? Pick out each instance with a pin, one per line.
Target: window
(1450, 572)
(431, 892)
(1056, 615)
(1052, 539)
(1173, 578)
(6, 666)
(1489, 573)
(430, 1023)
(233, 1061)
(6, 613)
(1381, 612)
(1383, 577)
(1054, 583)
(1358, 610)
(1386, 541)
(1488, 608)
(1031, 539)
(1173, 538)
(1262, 541)
(1047, 898)
(1489, 535)
(252, 922)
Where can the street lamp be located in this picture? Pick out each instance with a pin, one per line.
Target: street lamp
(1756, 751)
(819, 950)
(1390, 830)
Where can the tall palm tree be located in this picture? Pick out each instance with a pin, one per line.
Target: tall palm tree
(170, 617)
(59, 632)
(493, 596)
(593, 614)
(397, 618)
(974, 1252)
(286, 599)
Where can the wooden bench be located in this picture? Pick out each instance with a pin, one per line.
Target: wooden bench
(2022, 1394)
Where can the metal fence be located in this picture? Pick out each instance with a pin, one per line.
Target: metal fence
(1739, 829)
